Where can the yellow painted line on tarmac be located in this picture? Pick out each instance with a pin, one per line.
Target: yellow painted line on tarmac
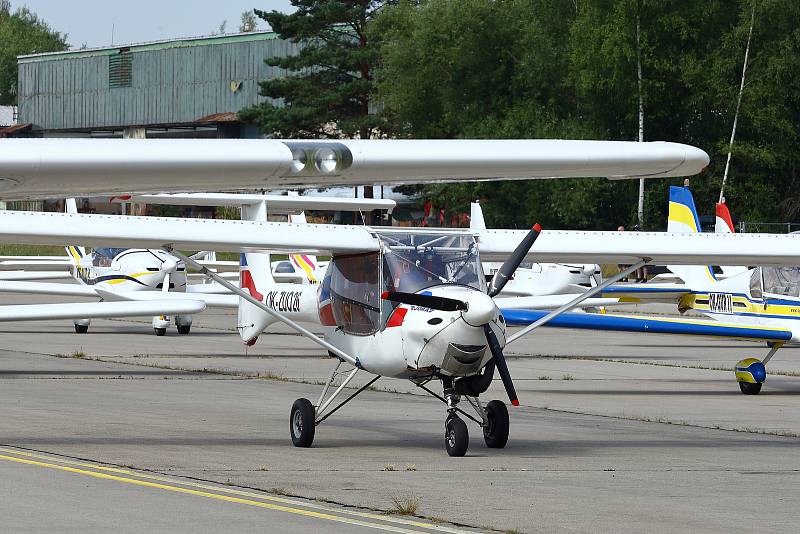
(207, 494)
(232, 491)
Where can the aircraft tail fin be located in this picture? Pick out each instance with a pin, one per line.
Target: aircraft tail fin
(74, 252)
(255, 276)
(724, 222)
(724, 225)
(307, 263)
(476, 221)
(683, 219)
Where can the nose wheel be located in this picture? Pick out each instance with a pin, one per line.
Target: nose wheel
(456, 436)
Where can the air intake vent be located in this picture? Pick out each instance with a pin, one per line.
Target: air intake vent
(120, 67)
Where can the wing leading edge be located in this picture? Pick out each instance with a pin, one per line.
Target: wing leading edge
(58, 167)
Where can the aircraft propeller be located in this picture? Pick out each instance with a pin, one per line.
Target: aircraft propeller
(167, 267)
(500, 279)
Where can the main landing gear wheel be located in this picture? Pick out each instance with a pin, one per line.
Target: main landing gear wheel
(184, 329)
(81, 328)
(301, 423)
(456, 436)
(750, 389)
(495, 432)
(160, 331)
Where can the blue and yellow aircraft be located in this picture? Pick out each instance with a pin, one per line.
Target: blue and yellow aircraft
(760, 303)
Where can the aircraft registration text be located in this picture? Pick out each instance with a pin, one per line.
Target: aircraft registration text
(720, 302)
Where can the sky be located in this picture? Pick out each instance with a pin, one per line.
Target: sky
(92, 22)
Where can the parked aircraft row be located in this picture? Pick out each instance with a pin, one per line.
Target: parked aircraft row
(404, 303)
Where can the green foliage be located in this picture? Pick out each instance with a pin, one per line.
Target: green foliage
(22, 32)
(538, 68)
(329, 83)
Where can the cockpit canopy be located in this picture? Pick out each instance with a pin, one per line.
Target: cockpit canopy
(409, 262)
(780, 280)
(103, 256)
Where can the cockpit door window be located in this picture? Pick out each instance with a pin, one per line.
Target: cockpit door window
(355, 292)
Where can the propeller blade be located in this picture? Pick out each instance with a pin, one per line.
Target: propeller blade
(500, 362)
(505, 272)
(165, 283)
(425, 301)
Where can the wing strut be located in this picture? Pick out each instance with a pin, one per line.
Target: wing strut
(571, 304)
(277, 315)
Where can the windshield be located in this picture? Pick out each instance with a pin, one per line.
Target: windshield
(782, 281)
(109, 253)
(414, 261)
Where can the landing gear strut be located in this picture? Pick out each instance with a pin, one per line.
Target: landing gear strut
(305, 416)
(493, 419)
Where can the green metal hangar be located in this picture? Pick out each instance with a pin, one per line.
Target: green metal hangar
(190, 87)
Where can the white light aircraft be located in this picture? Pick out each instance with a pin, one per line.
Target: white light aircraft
(402, 303)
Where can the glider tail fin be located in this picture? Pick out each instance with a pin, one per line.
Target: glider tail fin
(307, 263)
(74, 252)
(683, 219)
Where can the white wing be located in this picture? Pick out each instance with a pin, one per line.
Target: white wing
(55, 167)
(34, 275)
(39, 265)
(209, 299)
(275, 203)
(185, 234)
(565, 246)
(46, 288)
(92, 310)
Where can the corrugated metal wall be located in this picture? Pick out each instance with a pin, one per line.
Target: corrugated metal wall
(170, 85)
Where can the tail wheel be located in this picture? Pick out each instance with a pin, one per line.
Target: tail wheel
(456, 436)
(750, 389)
(301, 423)
(495, 432)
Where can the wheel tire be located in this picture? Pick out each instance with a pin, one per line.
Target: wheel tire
(495, 433)
(160, 331)
(184, 329)
(456, 436)
(81, 328)
(301, 423)
(750, 389)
